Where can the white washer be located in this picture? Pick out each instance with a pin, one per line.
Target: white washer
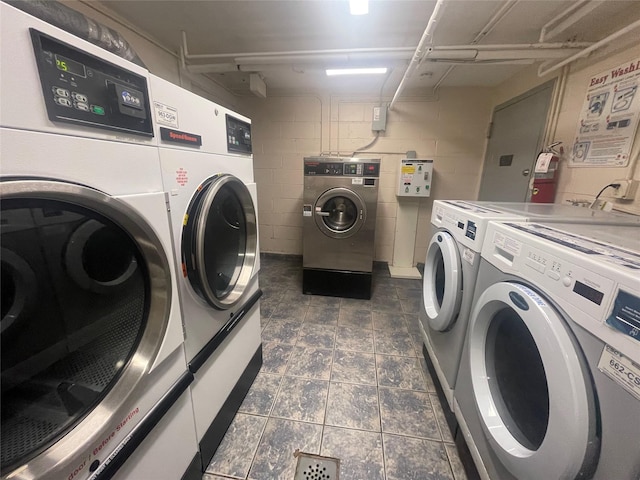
(451, 269)
(92, 343)
(207, 168)
(549, 382)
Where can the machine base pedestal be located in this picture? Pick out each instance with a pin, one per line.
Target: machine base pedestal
(336, 283)
(463, 450)
(216, 432)
(404, 272)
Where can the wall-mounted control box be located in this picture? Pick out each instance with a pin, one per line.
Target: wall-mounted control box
(379, 119)
(415, 178)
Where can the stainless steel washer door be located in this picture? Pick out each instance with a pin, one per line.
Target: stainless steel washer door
(339, 212)
(220, 241)
(75, 353)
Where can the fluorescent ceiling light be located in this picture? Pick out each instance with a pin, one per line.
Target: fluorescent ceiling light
(356, 71)
(359, 7)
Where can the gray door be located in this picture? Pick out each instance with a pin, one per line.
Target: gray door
(516, 138)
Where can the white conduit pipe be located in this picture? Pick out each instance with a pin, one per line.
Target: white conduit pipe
(486, 30)
(572, 8)
(542, 71)
(515, 46)
(554, 111)
(336, 51)
(420, 52)
(495, 20)
(572, 19)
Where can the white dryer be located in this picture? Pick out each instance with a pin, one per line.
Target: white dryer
(207, 169)
(549, 382)
(451, 269)
(92, 343)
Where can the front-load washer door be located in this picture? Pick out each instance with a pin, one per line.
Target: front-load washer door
(220, 241)
(531, 386)
(339, 212)
(442, 283)
(86, 297)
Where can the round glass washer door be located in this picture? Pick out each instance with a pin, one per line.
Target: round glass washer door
(442, 283)
(86, 290)
(536, 403)
(340, 213)
(220, 241)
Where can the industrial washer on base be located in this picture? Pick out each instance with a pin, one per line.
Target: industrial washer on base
(339, 219)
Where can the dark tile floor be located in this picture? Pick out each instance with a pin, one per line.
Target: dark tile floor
(342, 378)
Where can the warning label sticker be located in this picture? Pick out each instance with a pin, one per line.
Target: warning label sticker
(181, 177)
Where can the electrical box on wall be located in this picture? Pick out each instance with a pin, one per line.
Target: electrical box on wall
(379, 120)
(415, 178)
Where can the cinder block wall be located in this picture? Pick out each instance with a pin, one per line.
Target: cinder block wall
(449, 128)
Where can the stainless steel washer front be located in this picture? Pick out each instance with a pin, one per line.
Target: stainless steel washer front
(339, 215)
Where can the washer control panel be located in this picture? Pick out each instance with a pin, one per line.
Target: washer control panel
(238, 135)
(83, 89)
(593, 282)
(345, 168)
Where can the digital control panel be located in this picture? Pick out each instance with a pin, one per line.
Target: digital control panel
(238, 135)
(593, 282)
(343, 169)
(83, 89)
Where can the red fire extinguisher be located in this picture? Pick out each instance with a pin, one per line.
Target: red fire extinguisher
(545, 178)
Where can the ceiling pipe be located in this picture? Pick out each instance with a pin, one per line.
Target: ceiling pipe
(213, 68)
(455, 53)
(568, 17)
(486, 30)
(519, 46)
(424, 47)
(318, 58)
(493, 21)
(338, 51)
(543, 70)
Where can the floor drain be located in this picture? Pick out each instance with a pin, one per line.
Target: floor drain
(315, 467)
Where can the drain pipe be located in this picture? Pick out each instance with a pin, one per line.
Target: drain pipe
(544, 70)
(422, 49)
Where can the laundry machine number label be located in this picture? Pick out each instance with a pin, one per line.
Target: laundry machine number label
(166, 115)
(357, 181)
(621, 370)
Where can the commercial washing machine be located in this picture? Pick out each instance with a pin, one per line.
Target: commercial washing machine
(549, 384)
(207, 171)
(339, 220)
(451, 268)
(94, 381)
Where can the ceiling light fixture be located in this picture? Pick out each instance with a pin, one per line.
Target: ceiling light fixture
(359, 7)
(356, 71)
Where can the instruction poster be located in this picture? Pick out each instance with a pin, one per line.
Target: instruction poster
(609, 118)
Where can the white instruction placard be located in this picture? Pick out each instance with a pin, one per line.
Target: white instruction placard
(507, 243)
(468, 256)
(608, 119)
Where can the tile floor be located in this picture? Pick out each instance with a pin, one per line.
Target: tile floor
(342, 378)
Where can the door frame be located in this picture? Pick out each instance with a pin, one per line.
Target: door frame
(553, 83)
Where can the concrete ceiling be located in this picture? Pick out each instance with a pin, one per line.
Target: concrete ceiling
(289, 43)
